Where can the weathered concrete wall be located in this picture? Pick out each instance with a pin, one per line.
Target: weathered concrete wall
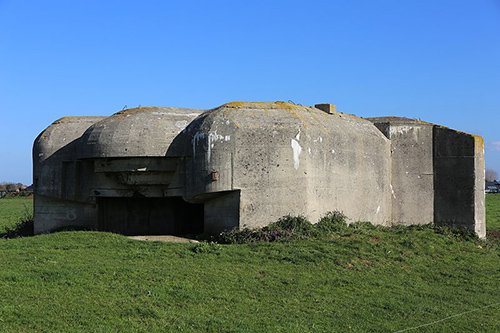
(459, 180)
(58, 177)
(222, 211)
(54, 213)
(437, 174)
(173, 170)
(412, 180)
(139, 132)
(54, 155)
(80, 159)
(290, 159)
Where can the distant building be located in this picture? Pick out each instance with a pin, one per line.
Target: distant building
(492, 187)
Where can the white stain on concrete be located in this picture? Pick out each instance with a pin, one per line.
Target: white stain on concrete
(196, 138)
(392, 191)
(212, 138)
(181, 124)
(297, 149)
(378, 209)
(320, 139)
(404, 130)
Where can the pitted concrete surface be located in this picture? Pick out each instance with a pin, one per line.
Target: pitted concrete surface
(178, 171)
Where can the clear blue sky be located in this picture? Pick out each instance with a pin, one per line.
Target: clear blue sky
(436, 60)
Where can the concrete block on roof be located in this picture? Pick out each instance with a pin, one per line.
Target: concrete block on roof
(328, 108)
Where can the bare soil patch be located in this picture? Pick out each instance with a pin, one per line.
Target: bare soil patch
(164, 238)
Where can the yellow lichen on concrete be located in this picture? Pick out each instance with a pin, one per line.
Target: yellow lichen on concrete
(478, 144)
(306, 114)
(263, 105)
(227, 115)
(135, 110)
(331, 109)
(66, 119)
(72, 119)
(342, 114)
(477, 138)
(391, 118)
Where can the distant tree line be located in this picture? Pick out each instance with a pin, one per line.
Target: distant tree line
(491, 175)
(12, 187)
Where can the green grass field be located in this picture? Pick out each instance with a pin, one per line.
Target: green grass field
(493, 212)
(12, 209)
(363, 279)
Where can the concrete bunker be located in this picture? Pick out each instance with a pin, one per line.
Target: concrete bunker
(178, 171)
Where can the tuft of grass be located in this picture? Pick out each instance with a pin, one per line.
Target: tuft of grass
(293, 224)
(208, 247)
(332, 222)
(246, 235)
(286, 228)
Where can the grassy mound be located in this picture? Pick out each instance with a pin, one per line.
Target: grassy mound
(327, 277)
(366, 279)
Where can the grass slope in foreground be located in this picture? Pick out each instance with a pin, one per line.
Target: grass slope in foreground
(362, 279)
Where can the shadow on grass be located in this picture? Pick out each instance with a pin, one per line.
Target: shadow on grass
(493, 234)
(22, 229)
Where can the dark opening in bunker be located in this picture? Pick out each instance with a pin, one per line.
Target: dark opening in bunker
(150, 216)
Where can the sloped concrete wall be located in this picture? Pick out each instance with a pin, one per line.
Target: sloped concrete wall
(58, 177)
(412, 178)
(54, 152)
(139, 132)
(459, 180)
(80, 159)
(290, 159)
